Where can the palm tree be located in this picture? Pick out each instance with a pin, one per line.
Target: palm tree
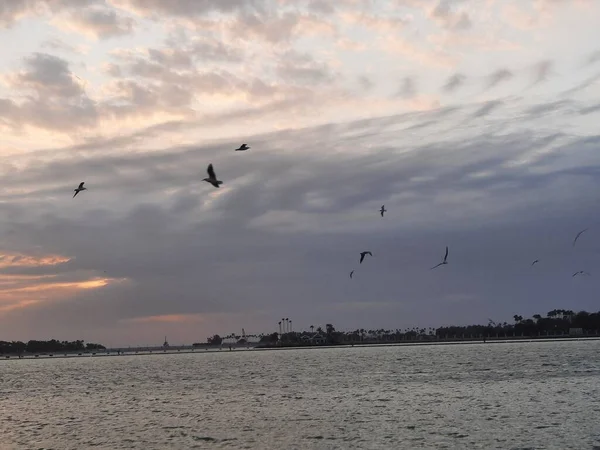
(290, 326)
(279, 327)
(312, 328)
(287, 327)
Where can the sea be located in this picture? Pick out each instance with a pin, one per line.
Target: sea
(520, 395)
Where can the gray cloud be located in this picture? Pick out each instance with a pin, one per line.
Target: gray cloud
(542, 70)
(55, 100)
(287, 225)
(446, 14)
(454, 82)
(303, 69)
(497, 77)
(101, 22)
(187, 8)
(408, 88)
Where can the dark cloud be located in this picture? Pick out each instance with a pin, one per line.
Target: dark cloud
(454, 82)
(284, 230)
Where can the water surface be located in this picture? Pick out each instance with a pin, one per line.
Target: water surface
(543, 395)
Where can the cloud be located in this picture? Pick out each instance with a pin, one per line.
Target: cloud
(55, 100)
(97, 23)
(408, 88)
(303, 69)
(454, 82)
(185, 8)
(446, 15)
(542, 70)
(497, 77)
(12, 11)
(309, 213)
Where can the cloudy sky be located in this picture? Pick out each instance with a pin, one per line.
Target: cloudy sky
(474, 121)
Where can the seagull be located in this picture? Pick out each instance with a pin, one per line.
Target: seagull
(79, 189)
(351, 273)
(382, 210)
(212, 178)
(444, 261)
(577, 237)
(581, 272)
(242, 148)
(535, 262)
(362, 255)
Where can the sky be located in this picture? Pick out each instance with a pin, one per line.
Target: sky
(473, 121)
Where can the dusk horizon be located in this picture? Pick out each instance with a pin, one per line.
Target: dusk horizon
(475, 125)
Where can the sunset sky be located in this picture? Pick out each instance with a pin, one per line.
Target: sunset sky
(474, 121)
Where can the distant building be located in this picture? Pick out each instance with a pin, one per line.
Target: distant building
(575, 331)
(165, 344)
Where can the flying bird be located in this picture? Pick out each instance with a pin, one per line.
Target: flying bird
(242, 148)
(212, 178)
(362, 255)
(351, 273)
(444, 261)
(535, 262)
(581, 272)
(79, 189)
(577, 237)
(382, 210)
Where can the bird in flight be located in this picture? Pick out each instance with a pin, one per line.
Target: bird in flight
(79, 189)
(362, 256)
(581, 272)
(535, 262)
(212, 178)
(382, 210)
(577, 237)
(444, 261)
(351, 273)
(242, 148)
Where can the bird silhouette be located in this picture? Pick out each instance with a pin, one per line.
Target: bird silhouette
(212, 178)
(444, 261)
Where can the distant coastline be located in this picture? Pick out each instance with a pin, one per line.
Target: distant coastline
(147, 351)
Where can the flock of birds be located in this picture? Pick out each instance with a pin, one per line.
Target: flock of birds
(212, 179)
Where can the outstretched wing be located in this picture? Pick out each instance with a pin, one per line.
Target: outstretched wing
(362, 256)
(578, 234)
(76, 192)
(211, 172)
(81, 184)
(436, 266)
(351, 273)
(446, 255)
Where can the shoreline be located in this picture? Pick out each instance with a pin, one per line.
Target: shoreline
(147, 351)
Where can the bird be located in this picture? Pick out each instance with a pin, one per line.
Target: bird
(351, 273)
(242, 148)
(212, 178)
(382, 210)
(577, 237)
(362, 255)
(444, 261)
(535, 262)
(581, 272)
(79, 189)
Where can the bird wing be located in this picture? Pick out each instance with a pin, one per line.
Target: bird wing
(534, 262)
(76, 192)
(81, 184)
(211, 172)
(446, 255)
(369, 253)
(576, 273)
(578, 234)
(351, 273)
(436, 266)
(362, 256)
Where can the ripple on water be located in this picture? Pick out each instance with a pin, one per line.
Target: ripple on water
(466, 396)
